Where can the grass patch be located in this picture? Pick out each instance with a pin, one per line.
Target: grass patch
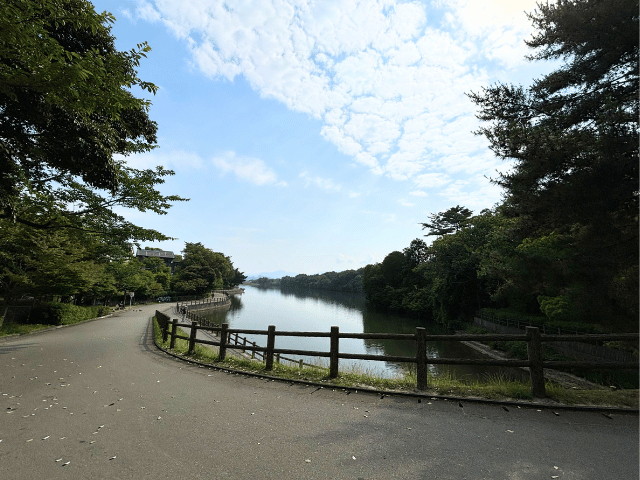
(88, 313)
(11, 328)
(494, 387)
(52, 314)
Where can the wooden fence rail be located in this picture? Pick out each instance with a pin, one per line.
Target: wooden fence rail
(532, 337)
(200, 303)
(234, 340)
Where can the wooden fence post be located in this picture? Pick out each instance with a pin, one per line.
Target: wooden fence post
(165, 329)
(192, 338)
(271, 341)
(223, 341)
(253, 352)
(422, 369)
(333, 352)
(174, 328)
(534, 352)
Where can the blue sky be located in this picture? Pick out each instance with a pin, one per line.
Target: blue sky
(314, 136)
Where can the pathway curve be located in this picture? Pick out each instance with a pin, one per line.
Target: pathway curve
(98, 400)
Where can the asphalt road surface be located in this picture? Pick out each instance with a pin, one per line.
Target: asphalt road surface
(97, 400)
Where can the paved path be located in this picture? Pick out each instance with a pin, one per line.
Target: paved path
(98, 400)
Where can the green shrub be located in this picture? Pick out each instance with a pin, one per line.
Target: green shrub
(54, 313)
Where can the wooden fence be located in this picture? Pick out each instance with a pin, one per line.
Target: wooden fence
(533, 337)
(576, 349)
(519, 324)
(202, 304)
(234, 340)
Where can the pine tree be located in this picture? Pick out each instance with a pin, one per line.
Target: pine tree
(573, 138)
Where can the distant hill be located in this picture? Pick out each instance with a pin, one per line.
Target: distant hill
(276, 274)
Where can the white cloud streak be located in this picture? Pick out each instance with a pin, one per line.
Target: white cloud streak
(322, 183)
(173, 159)
(249, 169)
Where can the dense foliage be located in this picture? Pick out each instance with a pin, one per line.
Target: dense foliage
(202, 270)
(54, 313)
(67, 120)
(438, 282)
(65, 101)
(346, 281)
(564, 243)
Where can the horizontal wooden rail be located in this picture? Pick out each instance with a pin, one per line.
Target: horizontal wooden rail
(230, 338)
(366, 356)
(306, 353)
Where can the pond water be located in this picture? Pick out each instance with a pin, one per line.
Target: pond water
(258, 308)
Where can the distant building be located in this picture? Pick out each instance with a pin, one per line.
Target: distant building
(168, 257)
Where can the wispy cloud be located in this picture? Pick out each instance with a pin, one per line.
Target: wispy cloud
(323, 183)
(432, 180)
(174, 159)
(418, 193)
(475, 193)
(249, 169)
(387, 82)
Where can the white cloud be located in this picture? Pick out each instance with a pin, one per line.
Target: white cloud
(387, 83)
(432, 180)
(500, 26)
(173, 159)
(147, 12)
(249, 169)
(475, 193)
(323, 183)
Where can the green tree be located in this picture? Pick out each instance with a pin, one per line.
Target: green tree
(573, 140)
(392, 268)
(238, 277)
(455, 288)
(441, 281)
(449, 221)
(64, 95)
(41, 263)
(202, 270)
(129, 276)
(346, 281)
(68, 119)
(574, 133)
(155, 265)
(416, 253)
(375, 287)
(161, 276)
(67, 114)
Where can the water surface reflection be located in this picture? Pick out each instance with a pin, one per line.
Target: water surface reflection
(317, 311)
